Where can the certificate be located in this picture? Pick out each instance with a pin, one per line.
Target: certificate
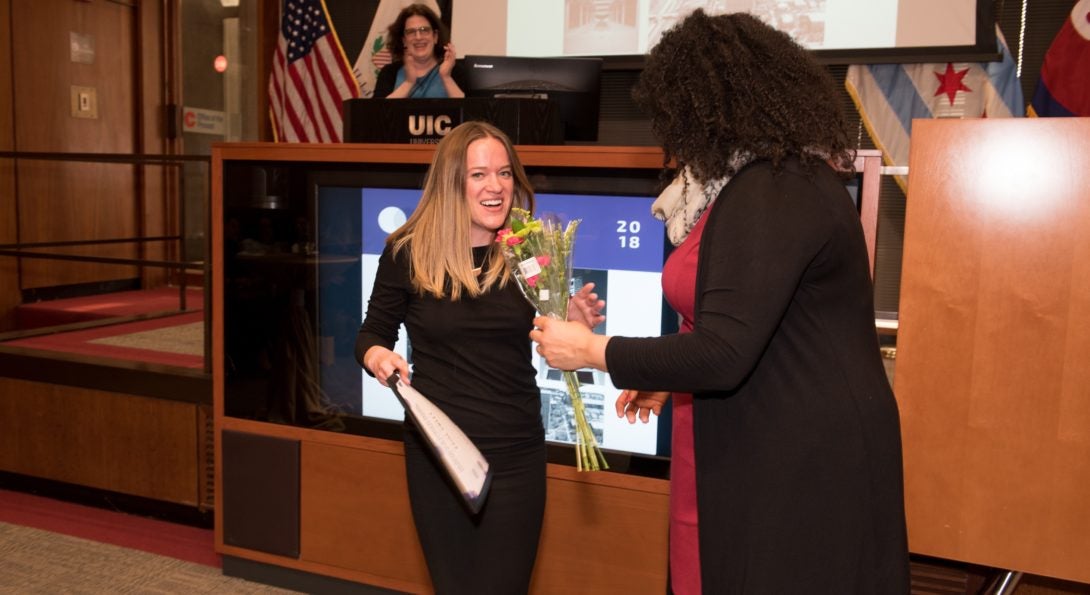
(465, 465)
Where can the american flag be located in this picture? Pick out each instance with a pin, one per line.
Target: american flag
(310, 78)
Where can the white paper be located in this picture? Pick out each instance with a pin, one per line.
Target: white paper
(530, 267)
(465, 464)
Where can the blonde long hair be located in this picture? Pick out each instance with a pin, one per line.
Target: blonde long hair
(438, 231)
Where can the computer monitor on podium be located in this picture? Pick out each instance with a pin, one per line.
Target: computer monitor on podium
(573, 83)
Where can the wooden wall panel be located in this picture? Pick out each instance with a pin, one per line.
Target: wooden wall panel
(355, 515)
(62, 200)
(154, 209)
(44, 74)
(10, 296)
(992, 375)
(123, 443)
(604, 533)
(7, 136)
(9, 285)
(75, 201)
(355, 522)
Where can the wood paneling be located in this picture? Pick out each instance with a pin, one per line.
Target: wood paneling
(122, 443)
(44, 74)
(355, 515)
(60, 201)
(869, 163)
(9, 286)
(64, 200)
(559, 156)
(604, 533)
(156, 209)
(7, 133)
(992, 376)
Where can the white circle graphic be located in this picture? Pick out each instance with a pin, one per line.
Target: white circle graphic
(391, 218)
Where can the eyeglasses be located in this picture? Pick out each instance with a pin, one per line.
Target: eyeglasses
(421, 31)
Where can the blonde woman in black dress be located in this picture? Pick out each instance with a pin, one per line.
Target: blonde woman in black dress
(443, 276)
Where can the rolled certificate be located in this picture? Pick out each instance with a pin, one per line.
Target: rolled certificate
(464, 464)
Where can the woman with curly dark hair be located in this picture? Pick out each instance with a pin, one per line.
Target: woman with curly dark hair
(423, 58)
(786, 463)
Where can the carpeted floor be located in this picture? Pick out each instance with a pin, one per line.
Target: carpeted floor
(108, 305)
(182, 339)
(173, 340)
(37, 561)
(55, 546)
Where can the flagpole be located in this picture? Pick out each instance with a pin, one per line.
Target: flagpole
(1021, 39)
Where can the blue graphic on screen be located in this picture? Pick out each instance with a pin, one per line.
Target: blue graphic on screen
(618, 246)
(384, 210)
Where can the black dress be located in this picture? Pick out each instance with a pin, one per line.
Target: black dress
(796, 431)
(472, 358)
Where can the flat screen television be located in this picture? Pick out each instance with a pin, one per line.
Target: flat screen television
(298, 278)
(573, 83)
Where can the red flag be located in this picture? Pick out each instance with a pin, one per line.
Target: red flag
(1064, 87)
(310, 78)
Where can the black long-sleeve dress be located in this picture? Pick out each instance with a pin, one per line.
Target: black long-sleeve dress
(472, 359)
(796, 431)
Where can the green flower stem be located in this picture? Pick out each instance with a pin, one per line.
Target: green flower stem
(588, 455)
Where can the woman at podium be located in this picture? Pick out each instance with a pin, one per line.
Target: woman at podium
(423, 58)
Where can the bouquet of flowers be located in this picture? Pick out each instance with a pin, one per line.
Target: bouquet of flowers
(539, 252)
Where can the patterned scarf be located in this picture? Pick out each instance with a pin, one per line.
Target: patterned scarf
(683, 202)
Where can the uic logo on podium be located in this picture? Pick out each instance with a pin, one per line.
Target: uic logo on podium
(428, 128)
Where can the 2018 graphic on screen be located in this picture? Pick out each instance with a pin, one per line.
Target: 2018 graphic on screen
(618, 246)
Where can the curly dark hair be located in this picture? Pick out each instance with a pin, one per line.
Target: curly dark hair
(718, 85)
(395, 33)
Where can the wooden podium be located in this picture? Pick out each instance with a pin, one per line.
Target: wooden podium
(992, 377)
(425, 121)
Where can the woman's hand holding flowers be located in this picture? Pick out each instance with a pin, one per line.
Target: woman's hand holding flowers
(569, 345)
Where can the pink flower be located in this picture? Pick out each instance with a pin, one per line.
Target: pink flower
(513, 240)
(532, 281)
(544, 260)
(502, 235)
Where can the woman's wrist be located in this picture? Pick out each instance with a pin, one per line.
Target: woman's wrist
(594, 351)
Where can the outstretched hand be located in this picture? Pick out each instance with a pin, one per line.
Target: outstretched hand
(585, 307)
(632, 403)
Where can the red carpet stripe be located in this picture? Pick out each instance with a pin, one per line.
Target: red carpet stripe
(79, 342)
(191, 544)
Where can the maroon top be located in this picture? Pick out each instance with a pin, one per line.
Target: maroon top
(679, 287)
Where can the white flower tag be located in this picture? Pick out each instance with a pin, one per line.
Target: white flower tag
(530, 267)
(543, 295)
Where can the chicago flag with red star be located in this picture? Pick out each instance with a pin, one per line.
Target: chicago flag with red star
(890, 96)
